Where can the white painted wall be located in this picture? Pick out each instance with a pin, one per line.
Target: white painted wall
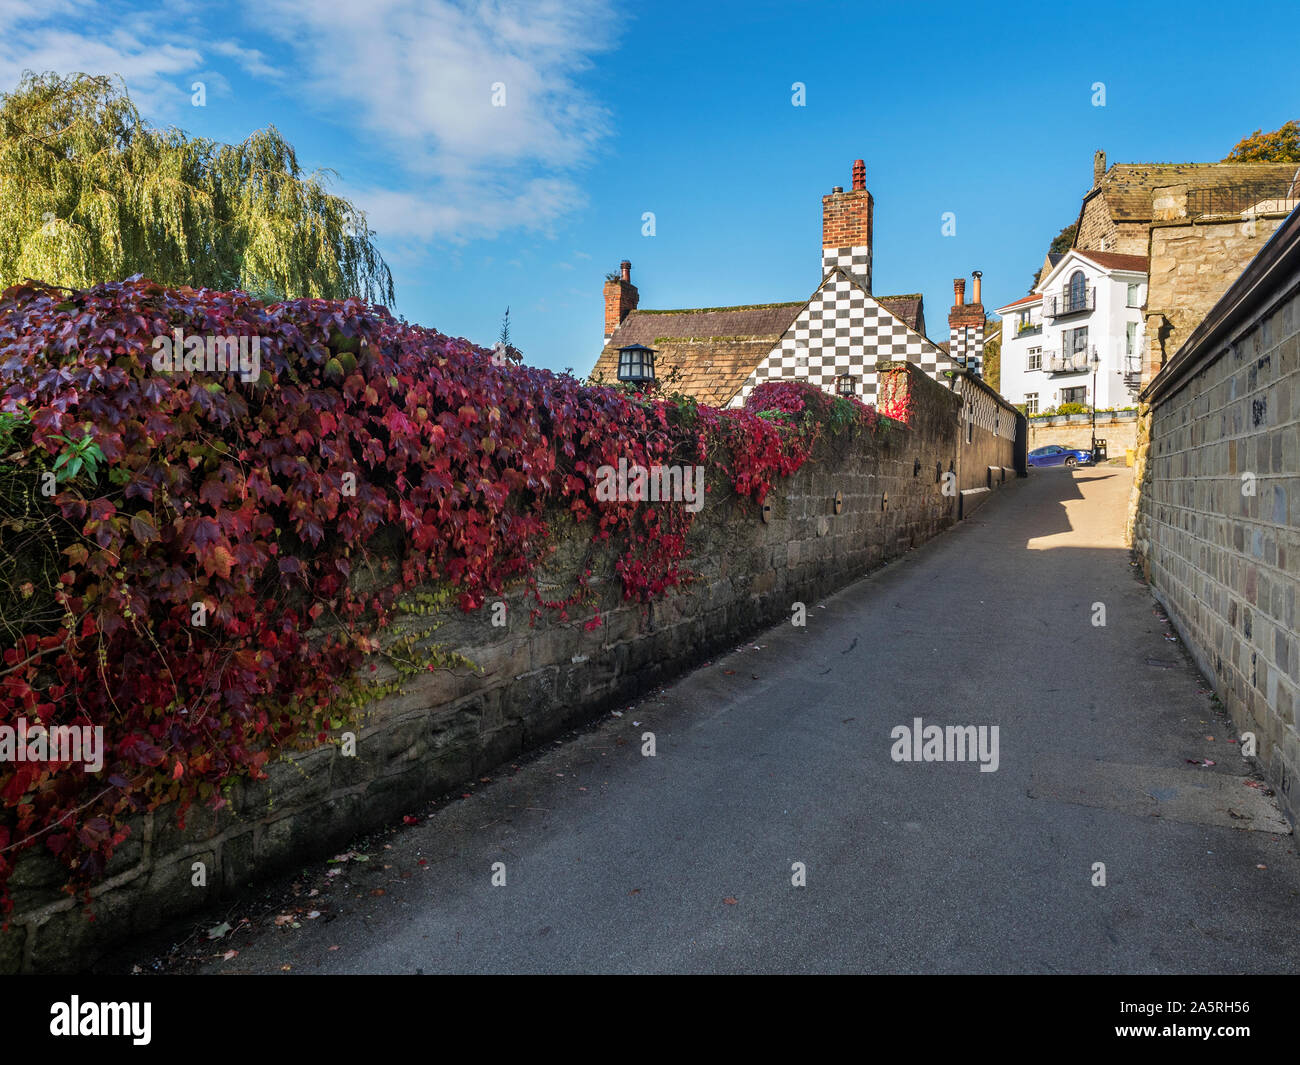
(1107, 333)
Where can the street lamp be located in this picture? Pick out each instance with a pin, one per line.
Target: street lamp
(1095, 363)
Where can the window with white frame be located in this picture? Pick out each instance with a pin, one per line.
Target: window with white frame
(1130, 339)
(1031, 402)
(1035, 359)
(1133, 298)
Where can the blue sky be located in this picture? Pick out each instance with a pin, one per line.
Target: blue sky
(684, 110)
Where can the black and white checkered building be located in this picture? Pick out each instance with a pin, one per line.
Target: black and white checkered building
(967, 343)
(844, 332)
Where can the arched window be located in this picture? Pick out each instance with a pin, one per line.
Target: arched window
(1078, 291)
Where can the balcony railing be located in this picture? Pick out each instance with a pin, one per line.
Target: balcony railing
(1132, 372)
(1077, 362)
(1070, 303)
(1232, 199)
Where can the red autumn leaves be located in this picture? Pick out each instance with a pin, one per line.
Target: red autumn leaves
(260, 500)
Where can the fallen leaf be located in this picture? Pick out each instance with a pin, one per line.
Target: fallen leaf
(283, 919)
(285, 968)
(729, 900)
(377, 891)
(217, 931)
(334, 948)
(635, 891)
(229, 954)
(313, 915)
(1261, 867)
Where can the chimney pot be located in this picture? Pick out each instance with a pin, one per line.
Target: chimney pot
(846, 228)
(621, 298)
(977, 274)
(959, 291)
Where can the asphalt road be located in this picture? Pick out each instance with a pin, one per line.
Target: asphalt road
(780, 753)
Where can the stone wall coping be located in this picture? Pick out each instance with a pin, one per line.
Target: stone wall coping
(1268, 279)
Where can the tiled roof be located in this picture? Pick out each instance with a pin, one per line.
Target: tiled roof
(709, 352)
(909, 308)
(706, 353)
(1112, 260)
(1128, 186)
(1033, 297)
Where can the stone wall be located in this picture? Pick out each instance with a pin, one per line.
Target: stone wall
(532, 682)
(1118, 429)
(1192, 263)
(1217, 525)
(1098, 231)
(991, 446)
(1095, 225)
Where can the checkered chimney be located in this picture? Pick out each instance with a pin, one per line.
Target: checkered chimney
(846, 227)
(966, 325)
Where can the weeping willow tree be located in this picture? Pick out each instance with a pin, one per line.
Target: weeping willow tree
(91, 192)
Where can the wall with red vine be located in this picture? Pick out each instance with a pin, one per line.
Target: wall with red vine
(352, 523)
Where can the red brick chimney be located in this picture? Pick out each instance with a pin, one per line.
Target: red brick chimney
(966, 324)
(620, 298)
(846, 227)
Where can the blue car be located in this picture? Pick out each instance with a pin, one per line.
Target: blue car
(1055, 455)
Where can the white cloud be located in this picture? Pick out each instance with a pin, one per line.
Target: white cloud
(413, 77)
(90, 40)
(254, 62)
(419, 77)
(455, 211)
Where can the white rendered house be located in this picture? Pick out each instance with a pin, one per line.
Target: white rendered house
(1088, 304)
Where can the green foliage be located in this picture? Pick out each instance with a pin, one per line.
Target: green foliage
(1280, 146)
(1064, 240)
(993, 362)
(1061, 243)
(11, 425)
(90, 192)
(75, 454)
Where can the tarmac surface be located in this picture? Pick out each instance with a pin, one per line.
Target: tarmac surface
(782, 753)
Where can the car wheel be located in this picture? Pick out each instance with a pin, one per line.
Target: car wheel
(1070, 460)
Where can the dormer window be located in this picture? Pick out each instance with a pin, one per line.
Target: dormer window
(636, 364)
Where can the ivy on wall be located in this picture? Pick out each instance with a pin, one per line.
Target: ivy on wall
(207, 584)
